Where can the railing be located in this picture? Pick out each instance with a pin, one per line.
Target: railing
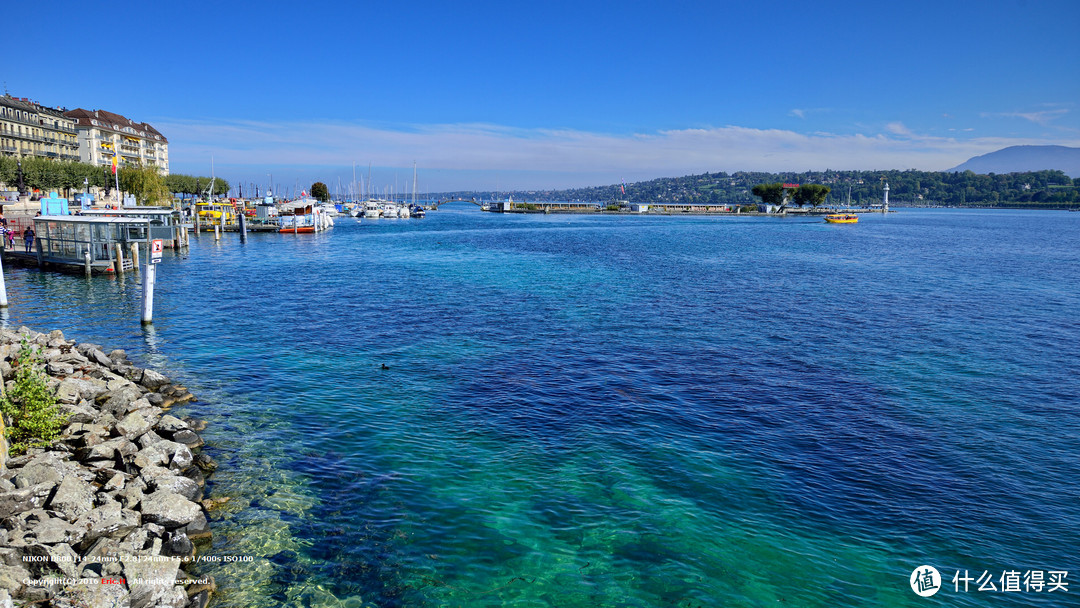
(25, 121)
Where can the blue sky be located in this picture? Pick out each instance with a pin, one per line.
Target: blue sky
(486, 95)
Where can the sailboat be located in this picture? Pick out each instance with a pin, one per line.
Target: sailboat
(417, 210)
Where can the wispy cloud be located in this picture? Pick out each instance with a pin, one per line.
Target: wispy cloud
(1042, 118)
(803, 112)
(542, 158)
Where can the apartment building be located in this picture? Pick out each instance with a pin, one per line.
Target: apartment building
(28, 129)
(100, 133)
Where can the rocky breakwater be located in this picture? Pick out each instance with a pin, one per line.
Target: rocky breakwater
(111, 512)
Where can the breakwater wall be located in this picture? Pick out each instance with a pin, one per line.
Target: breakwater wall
(113, 511)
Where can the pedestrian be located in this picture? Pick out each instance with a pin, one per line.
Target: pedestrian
(10, 238)
(28, 237)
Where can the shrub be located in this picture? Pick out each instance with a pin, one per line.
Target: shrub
(30, 406)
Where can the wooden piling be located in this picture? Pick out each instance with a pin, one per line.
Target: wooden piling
(119, 259)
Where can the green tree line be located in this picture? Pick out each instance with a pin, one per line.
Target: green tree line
(46, 175)
(1033, 189)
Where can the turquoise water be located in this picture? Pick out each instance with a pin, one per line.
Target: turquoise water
(621, 411)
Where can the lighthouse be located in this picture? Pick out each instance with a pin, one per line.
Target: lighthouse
(885, 203)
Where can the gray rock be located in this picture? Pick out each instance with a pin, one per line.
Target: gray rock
(12, 577)
(73, 390)
(151, 456)
(205, 463)
(48, 467)
(73, 498)
(169, 509)
(76, 413)
(55, 530)
(118, 355)
(153, 380)
(119, 401)
(178, 485)
(171, 424)
(177, 598)
(115, 483)
(199, 600)
(155, 399)
(99, 357)
(60, 556)
(21, 500)
(199, 529)
(177, 543)
(96, 594)
(188, 438)
(108, 520)
(59, 369)
(150, 439)
(133, 426)
(157, 579)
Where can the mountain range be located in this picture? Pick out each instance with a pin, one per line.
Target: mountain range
(1015, 159)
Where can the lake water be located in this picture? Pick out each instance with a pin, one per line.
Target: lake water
(621, 411)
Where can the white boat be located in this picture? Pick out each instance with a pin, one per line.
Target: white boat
(372, 210)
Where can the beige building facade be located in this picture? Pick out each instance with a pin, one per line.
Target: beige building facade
(100, 133)
(28, 129)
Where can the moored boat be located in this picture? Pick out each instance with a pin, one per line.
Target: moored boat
(842, 218)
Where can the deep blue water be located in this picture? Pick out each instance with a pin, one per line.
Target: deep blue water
(621, 411)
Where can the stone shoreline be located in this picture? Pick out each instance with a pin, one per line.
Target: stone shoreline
(113, 510)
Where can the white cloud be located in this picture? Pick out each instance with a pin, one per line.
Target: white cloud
(1043, 118)
(543, 158)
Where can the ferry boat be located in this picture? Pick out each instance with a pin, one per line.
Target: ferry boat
(842, 218)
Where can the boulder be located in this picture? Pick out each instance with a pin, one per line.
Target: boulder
(60, 556)
(55, 530)
(133, 426)
(178, 485)
(205, 463)
(177, 543)
(153, 380)
(21, 500)
(73, 498)
(199, 529)
(188, 438)
(95, 355)
(108, 520)
(171, 424)
(169, 509)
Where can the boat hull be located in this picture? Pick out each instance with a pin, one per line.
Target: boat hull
(842, 219)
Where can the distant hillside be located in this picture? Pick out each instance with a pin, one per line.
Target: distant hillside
(1038, 189)
(1015, 159)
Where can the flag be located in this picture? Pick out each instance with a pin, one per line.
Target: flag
(623, 186)
(115, 161)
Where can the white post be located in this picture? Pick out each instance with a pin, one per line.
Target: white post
(87, 261)
(3, 289)
(119, 259)
(217, 232)
(149, 276)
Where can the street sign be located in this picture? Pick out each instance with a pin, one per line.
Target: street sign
(156, 247)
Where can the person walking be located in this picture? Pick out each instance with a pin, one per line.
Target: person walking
(28, 238)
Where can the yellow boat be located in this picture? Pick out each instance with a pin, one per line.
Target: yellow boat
(842, 218)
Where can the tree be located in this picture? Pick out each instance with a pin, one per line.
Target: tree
(146, 184)
(320, 191)
(770, 194)
(814, 194)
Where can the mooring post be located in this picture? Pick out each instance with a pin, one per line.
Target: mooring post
(3, 295)
(243, 228)
(87, 261)
(217, 232)
(119, 259)
(149, 276)
(134, 256)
